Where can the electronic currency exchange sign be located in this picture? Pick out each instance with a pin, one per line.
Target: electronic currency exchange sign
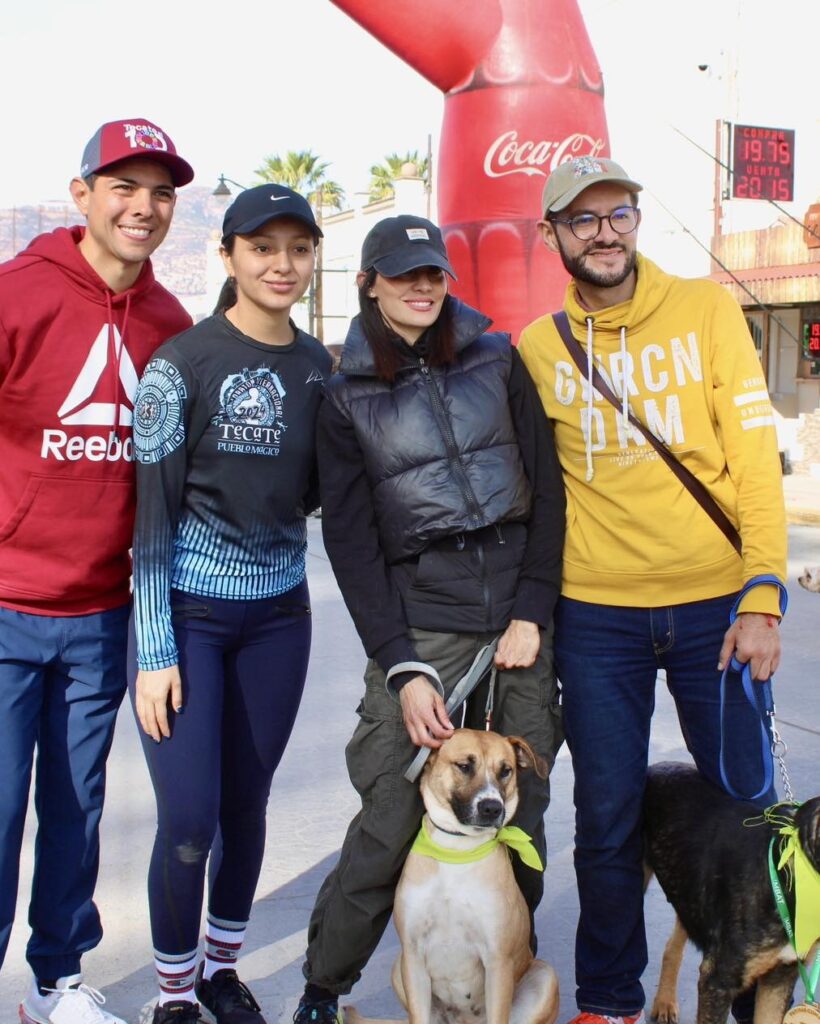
(762, 163)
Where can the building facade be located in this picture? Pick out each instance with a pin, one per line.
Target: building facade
(775, 276)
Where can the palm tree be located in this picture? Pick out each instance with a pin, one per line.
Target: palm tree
(384, 174)
(303, 171)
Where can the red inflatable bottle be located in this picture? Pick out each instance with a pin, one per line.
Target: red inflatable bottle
(523, 92)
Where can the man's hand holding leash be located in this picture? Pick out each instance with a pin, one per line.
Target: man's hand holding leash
(754, 639)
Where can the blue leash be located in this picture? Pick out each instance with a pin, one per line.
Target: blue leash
(759, 695)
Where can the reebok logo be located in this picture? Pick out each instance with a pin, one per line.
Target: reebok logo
(80, 407)
(63, 447)
(85, 406)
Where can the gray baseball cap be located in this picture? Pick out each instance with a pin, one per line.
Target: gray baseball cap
(570, 178)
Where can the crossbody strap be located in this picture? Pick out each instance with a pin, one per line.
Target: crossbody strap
(686, 477)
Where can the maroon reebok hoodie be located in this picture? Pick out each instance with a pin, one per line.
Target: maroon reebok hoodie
(71, 354)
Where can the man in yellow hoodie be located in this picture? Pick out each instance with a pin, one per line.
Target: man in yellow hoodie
(649, 579)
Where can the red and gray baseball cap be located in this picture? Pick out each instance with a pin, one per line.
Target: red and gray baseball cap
(126, 140)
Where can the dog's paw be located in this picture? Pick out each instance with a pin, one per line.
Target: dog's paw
(810, 580)
(665, 1011)
(350, 1015)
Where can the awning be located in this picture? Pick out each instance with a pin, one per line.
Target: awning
(781, 285)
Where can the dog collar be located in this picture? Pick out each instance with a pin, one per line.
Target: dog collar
(509, 835)
(446, 831)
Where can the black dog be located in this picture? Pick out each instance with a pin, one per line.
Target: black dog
(713, 869)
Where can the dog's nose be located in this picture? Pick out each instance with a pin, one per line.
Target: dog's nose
(489, 811)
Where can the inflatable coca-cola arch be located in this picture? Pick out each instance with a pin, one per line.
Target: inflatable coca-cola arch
(523, 91)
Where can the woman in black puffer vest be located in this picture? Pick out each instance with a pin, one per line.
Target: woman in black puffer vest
(443, 517)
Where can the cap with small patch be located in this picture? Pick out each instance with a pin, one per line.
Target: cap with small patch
(398, 244)
(570, 178)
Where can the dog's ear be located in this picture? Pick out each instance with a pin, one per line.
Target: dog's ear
(810, 579)
(526, 757)
(807, 820)
(432, 757)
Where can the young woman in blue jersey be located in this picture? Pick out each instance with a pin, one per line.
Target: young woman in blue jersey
(224, 430)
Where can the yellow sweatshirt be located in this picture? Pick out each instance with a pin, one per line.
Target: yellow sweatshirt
(635, 535)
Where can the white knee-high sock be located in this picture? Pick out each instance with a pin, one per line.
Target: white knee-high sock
(176, 976)
(223, 941)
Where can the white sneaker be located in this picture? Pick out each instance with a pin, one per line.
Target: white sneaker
(69, 1002)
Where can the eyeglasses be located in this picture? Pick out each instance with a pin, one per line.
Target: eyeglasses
(586, 226)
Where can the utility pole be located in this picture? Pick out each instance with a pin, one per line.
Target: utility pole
(718, 199)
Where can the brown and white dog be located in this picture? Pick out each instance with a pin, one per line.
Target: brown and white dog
(810, 579)
(464, 927)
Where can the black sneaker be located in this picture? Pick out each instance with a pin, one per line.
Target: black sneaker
(177, 1012)
(325, 1012)
(227, 999)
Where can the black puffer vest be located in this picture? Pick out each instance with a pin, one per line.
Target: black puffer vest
(439, 444)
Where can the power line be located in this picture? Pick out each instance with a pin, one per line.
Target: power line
(738, 282)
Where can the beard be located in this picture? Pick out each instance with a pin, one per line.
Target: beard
(576, 266)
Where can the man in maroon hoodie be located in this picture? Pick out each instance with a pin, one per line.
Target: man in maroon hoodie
(80, 316)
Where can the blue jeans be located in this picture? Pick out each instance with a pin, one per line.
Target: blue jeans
(607, 659)
(243, 666)
(62, 680)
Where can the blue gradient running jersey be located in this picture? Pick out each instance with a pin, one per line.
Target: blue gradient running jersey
(224, 438)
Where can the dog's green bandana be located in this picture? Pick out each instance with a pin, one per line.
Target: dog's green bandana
(806, 891)
(806, 902)
(510, 835)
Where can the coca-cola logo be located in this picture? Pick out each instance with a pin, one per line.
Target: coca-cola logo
(506, 155)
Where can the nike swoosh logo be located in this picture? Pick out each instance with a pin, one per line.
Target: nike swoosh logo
(275, 199)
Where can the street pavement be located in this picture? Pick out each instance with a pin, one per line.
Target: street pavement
(312, 802)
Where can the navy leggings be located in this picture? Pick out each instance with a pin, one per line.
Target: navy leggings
(243, 667)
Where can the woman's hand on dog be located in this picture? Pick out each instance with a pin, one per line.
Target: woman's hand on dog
(519, 645)
(425, 718)
(754, 639)
(152, 699)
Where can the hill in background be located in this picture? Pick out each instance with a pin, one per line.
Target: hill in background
(181, 261)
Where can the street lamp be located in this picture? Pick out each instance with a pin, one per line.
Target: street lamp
(215, 274)
(222, 188)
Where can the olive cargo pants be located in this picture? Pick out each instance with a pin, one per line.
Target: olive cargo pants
(356, 899)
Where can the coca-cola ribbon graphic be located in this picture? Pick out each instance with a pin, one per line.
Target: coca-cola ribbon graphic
(523, 91)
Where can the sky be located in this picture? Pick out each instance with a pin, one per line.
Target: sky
(234, 82)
